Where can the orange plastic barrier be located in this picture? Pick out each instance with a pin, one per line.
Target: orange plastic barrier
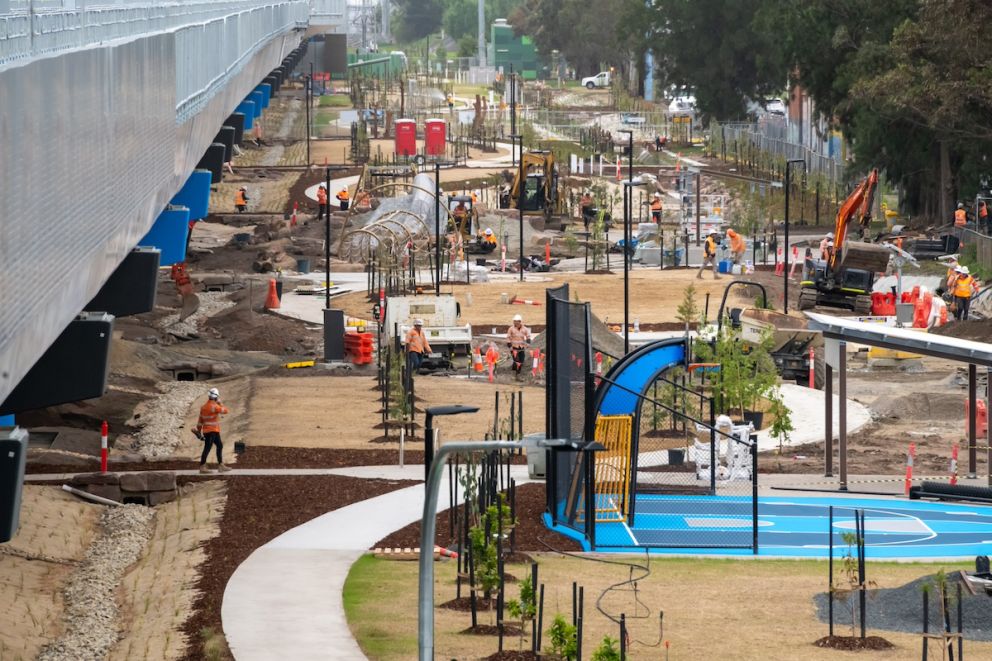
(981, 418)
(359, 347)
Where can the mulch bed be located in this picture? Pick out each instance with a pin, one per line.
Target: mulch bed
(464, 604)
(492, 630)
(513, 655)
(297, 192)
(531, 533)
(258, 510)
(854, 643)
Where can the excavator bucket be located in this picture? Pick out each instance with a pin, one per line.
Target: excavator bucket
(864, 256)
(191, 303)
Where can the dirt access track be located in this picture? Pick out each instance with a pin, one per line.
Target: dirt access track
(654, 296)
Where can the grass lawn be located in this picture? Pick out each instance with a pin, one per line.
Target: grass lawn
(713, 608)
(334, 101)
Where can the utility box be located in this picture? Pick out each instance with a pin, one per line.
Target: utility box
(436, 135)
(440, 315)
(406, 137)
(13, 455)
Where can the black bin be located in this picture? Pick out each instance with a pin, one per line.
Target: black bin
(13, 454)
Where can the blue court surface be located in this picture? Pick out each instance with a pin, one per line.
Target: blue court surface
(797, 527)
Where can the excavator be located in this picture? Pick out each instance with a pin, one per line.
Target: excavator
(540, 184)
(845, 280)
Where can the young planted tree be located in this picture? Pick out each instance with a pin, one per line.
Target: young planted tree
(607, 650)
(688, 311)
(564, 641)
(524, 608)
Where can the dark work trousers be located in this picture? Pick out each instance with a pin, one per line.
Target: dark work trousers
(321, 210)
(344, 204)
(961, 305)
(518, 358)
(211, 438)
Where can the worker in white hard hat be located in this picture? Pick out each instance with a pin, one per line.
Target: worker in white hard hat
(656, 207)
(964, 288)
(489, 236)
(518, 338)
(416, 345)
(960, 216)
(826, 242)
(208, 428)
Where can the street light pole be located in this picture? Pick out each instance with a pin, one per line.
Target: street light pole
(327, 242)
(521, 196)
(628, 203)
(788, 190)
(513, 115)
(437, 227)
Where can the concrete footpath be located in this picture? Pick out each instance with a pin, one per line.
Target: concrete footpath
(285, 601)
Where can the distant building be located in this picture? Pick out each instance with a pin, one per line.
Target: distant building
(506, 48)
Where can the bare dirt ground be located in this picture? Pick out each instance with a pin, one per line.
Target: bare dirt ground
(343, 412)
(654, 296)
(157, 592)
(55, 531)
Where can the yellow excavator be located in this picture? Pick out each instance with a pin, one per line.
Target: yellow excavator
(846, 278)
(540, 184)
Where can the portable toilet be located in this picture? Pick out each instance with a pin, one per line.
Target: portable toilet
(406, 137)
(434, 131)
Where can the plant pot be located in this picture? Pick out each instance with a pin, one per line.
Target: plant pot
(755, 418)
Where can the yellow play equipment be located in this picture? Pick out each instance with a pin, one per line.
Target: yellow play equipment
(612, 474)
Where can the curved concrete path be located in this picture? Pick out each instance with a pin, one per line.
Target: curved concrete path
(285, 601)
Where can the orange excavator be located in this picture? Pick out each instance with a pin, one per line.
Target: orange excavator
(845, 279)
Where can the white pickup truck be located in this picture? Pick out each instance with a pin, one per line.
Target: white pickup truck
(601, 79)
(440, 315)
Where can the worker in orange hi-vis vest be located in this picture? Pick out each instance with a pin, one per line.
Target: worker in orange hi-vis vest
(241, 199)
(518, 337)
(321, 202)
(416, 345)
(208, 428)
(960, 216)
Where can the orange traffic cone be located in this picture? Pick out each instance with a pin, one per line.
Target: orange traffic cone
(272, 300)
(477, 360)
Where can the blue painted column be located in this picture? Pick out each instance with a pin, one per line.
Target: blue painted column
(247, 108)
(195, 194)
(168, 234)
(6, 420)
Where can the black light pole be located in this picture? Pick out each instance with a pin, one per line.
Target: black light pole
(521, 189)
(308, 97)
(437, 226)
(513, 116)
(327, 243)
(628, 202)
(788, 190)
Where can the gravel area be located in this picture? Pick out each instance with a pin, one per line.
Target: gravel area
(91, 622)
(211, 303)
(901, 609)
(161, 420)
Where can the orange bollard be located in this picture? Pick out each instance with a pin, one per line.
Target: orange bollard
(492, 356)
(272, 300)
(477, 360)
(954, 464)
(547, 254)
(910, 456)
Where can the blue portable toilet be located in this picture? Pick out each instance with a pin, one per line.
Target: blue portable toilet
(247, 108)
(256, 97)
(168, 234)
(195, 194)
(266, 91)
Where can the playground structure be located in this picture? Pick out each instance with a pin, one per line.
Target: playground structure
(594, 484)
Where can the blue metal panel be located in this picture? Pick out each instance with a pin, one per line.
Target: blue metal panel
(247, 108)
(168, 234)
(266, 91)
(636, 373)
(256, 98)
(195, 194)
(6, 420)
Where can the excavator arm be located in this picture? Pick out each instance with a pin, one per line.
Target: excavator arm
(857, 209)
(544, 161)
